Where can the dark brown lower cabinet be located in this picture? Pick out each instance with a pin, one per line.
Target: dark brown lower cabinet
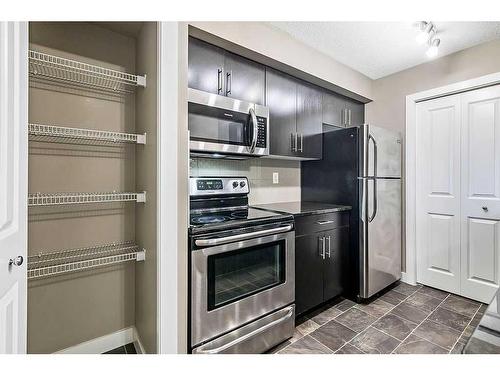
(319, 265)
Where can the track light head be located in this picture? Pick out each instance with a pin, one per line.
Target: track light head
(432, 51)
(425, 31)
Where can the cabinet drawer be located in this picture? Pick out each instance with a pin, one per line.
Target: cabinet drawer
(321, 222)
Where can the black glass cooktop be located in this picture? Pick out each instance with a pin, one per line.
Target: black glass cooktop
(231, 218)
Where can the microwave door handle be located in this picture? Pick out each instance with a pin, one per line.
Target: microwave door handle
(255, 125)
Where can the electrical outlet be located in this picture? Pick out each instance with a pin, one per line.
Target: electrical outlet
(276, 178)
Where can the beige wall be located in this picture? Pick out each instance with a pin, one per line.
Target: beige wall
(389, 93)
(66, 310)
(260, 176)
(146, 180)
(280, 46)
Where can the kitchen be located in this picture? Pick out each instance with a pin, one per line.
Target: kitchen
(312, 198)
(250, 126)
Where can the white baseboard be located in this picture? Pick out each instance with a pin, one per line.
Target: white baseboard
(406, 278)
(138, 343)
(108, 342)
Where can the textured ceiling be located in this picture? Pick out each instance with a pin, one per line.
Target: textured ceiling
(378, 49)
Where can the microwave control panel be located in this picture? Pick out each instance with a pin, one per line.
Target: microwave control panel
(262, 132)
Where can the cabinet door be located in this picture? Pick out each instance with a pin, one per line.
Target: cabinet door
(337, 248)
(205, 65)
(308, 273)
(281, 98)
(333, 109)
(355, 113)
(244, 79)
(309, 121)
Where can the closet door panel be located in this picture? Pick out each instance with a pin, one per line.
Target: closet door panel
(438, 193)
(480, 204)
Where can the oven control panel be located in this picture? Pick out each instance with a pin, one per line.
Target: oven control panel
(200, 186)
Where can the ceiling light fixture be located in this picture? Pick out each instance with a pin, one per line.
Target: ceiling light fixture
(425, 31)
(432, 51)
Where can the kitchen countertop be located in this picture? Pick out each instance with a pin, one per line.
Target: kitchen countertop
(302, 208)
(486, 336)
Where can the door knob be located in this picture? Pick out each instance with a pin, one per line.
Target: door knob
(485, 209)
(17, 261)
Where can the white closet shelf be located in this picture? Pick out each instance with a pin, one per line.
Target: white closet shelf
(50, 199)
(84, 134)
(56, 68)
(60, 262)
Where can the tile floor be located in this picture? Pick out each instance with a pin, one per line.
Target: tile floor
(405, 320)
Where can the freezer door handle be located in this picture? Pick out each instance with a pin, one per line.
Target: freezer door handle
(375, 153)
(374, 213)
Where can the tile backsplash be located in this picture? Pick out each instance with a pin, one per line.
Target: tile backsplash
(259, 172)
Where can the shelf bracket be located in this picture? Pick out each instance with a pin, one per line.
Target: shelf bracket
(141, 80)
(141, 139)
(141, 197)
(141, 255)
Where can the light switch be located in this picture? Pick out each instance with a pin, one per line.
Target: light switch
(276, 178)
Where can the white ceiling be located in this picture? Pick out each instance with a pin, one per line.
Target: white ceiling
(378, 49)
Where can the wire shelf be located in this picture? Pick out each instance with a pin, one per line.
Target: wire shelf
(51, 199)
(84, 134)
(56, 68)
(60, 262)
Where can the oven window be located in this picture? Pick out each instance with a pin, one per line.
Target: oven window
(241, 273)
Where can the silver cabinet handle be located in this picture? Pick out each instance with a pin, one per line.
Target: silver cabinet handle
(255, 130)
(350, 117)
(243, 236)
(17, 261)
(322, 251)
(329, 253)
(219, 81)
(246, 337)
(301, 138)
(292, 144)
(323, 222)
(346, 117)
(229, 83)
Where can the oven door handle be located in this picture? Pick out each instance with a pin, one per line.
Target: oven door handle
(248, 336)
(243, 236)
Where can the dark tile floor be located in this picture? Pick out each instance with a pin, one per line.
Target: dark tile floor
(125, 349)
(405, 320)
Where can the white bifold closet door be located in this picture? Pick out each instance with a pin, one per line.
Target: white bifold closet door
(458, 193)
(438, 193)
(480, 206)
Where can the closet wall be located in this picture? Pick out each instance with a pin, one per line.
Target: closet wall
(68, 309)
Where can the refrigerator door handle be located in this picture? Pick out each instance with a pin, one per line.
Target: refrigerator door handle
(375, 152)
(372, 216)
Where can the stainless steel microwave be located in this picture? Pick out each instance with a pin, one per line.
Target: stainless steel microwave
(220, 126)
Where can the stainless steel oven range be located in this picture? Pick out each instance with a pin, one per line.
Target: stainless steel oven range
(242, 272)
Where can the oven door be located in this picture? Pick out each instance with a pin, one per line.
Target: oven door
(237, 282)
(222, 125)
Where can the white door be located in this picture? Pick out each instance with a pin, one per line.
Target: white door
(480, 237)
(13, 185)
(438, 193)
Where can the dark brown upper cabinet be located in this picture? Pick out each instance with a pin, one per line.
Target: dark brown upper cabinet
(294, 116)
(212, 69)
(342, 112)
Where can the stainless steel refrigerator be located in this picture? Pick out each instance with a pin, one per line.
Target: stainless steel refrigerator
(361, 167)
